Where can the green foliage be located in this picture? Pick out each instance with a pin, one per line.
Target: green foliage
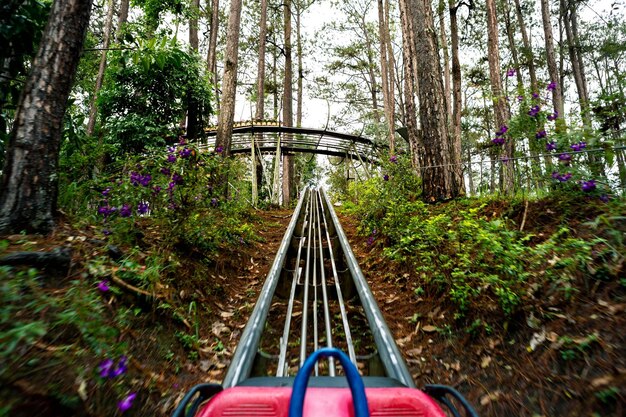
(474, 261)
(146, 92)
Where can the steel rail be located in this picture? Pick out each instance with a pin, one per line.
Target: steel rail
(305, 296)
(388, 351)
(243, 358)
(340, 301)
(329, 336)
(284, 341)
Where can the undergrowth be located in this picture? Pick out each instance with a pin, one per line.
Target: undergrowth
(482, 263)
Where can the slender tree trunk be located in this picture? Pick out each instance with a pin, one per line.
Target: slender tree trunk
(408, 51)
(568, 11)
(28, 198)
(446, 55)
(386, 71)
(192, 102)
(257, 170)
(441, 174)
(557, 93)
(211, 59)
(528, 48)
(288, 160)
(500, 105)
(513, 47)
(229, 88)
(93, 108)
(300, 66)
(457, 100)
(122, 19)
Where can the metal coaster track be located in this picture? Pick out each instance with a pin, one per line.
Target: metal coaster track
(315, 305)
(315, 296)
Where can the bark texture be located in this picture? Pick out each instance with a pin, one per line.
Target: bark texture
(229, 85)
(557, 94)
(29, 193)
(288, 160)
(440, 178)
(500, 105)
(93, 108)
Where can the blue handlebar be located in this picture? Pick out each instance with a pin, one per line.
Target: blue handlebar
(296, 404)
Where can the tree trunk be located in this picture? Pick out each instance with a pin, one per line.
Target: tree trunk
(456, 86)
(386, 70)
(229, 85)
(29, 193)
(408, 51)
(257, 170)
(528, 48)
(441, 174)
(192, 102)
(446, 55)
(288, 160)
(500, 105)
(300, 66)
(122, 19)
(557, 93)
(211, 59)
(93, 108)
(569, 16)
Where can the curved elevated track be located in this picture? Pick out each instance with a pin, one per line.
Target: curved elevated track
(268, 135)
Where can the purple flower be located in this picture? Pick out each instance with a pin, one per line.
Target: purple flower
(105, 368)
(520, 98)
(551, 146)
(171, 158)
(588, 186)
(386, 177)
(171, 149)
(541, 134)
(166, 171)
(170, 186)
(145, 180)
(142, 208)
(182, 141)
(502, 131)
(127, 402)
(105, 210)
(505, 159)
(106, 191)
(126, 210)
(219, 149)
(551, 86)
(561, 177)
(106, 232)
(394, 159)
(578, 146)
(156, 189)
(103, 285)
(553, 116)
(604, 198)
(120, 369)
(214, 202)
(177, 179)
(498, 141)
(370, 241)
(184, 153)
(534, 111)
(511, 72)
(535, 95)
(135, 178)
(565, 157)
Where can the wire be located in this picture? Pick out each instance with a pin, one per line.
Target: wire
(526, 157)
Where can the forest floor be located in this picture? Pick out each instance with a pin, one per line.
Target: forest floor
(570, 365)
